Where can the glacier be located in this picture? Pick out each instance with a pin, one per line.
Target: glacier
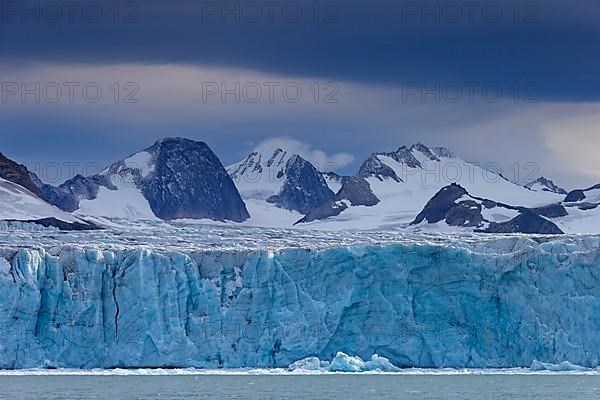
(218, 298)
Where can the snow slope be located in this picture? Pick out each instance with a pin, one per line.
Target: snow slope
(405, 180)
(477, 302)
(546, 185)
(279, 187)
(19, 204)
(126, 201)
(583, 221)
(455, 207)
(583, 209)
(258, 177)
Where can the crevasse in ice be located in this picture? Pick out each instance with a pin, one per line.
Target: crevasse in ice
(503, 302)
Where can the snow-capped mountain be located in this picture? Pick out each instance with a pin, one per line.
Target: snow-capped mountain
(174, 178)
(582, 211)
(391, 188)
(17, 173)
(589, 195)
(183, 179)
(19, 205)
(546, 185)
(453, 206)
(279, 187)
(22, 201)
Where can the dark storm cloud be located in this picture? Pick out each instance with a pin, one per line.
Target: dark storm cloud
(552, 43)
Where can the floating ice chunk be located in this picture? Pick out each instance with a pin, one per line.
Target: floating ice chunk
(563, 366)
(345, 363)
(342, 362)
(309, 364)
(378, 363)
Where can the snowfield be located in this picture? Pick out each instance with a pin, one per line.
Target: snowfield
(19, 204)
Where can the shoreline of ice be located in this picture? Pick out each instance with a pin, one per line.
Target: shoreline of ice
(341, 364)
(232, 298)
(285, 372)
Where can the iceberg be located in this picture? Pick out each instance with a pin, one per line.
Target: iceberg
(431, 302)
(342, 362)
(564, 366)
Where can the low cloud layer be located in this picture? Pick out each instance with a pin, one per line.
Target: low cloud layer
(211, 104)
(325, 162)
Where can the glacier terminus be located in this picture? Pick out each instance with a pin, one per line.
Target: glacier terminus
(218, 297)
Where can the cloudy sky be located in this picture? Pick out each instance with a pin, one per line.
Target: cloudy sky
(85, 83)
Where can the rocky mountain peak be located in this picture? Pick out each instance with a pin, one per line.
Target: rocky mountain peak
(546, 185)
(304, 188)
(17, 173)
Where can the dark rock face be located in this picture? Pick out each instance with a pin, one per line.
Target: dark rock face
(17, 173)
(372, 167)
(405, 156)
(426, 151)
(550, 211)
(68, 195)
(587, 206)
(325, 211)
(444, 206)
(189, 181)
(579, 194)
(62, 225)
(447, 206)
(547, 186)
(575, 195)
(466, 214)
(443, 152)
(355, 190)
(441, 204)
(304, 188)
(527, 222)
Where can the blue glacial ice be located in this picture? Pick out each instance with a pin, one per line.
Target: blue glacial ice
(344, 363)
(498, 302)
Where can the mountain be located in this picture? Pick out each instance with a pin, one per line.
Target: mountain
(22, 201)
(19, 205)
(589, 195)
(391, 188)
(304, 188)
(178, 178)
(279, 187)
(453, 206)
(354, 191)
(583, 211)
(174, 178)
(68, 195)
(17, 173)
(546, 185)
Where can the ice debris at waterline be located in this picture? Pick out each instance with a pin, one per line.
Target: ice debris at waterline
(564, 366)
(476, 302)
(345, 363)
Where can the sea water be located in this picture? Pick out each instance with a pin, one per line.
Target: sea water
(266, 387)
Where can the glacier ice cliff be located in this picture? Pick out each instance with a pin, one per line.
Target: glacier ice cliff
(500, 302)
